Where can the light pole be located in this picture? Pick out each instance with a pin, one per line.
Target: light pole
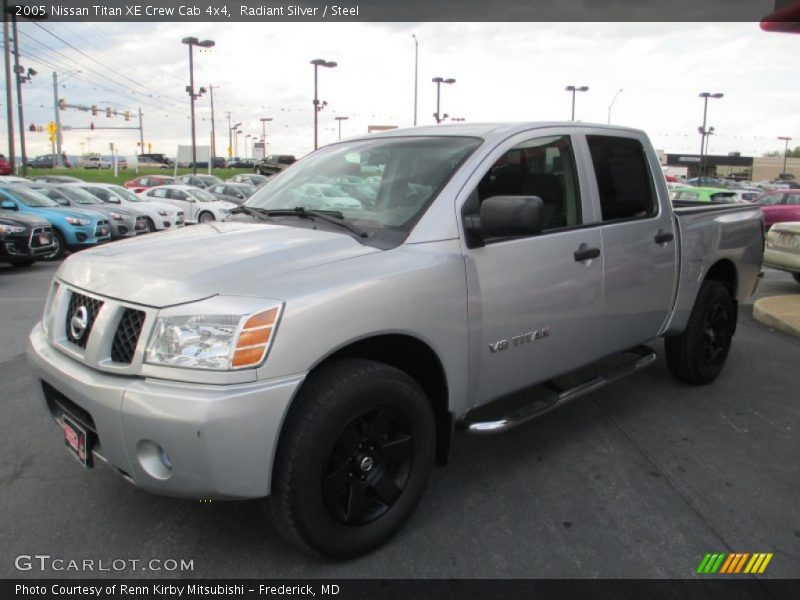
(192, 42)
(785, 151)
(236, 142)
(573, 89)
(231, 131)
(319, 62)
(610, 106)
(704, 132)
(246, 144)
(264, 121)
(340, 119)
(439, 81)
(416, 74)
(57, 115)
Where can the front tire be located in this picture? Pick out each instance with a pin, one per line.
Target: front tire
(151, 226)
(205, 217)
(354, 458)
(796, 277)
(698, 355)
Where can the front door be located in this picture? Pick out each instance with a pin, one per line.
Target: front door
(535, 303)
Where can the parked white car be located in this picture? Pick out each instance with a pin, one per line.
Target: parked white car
(198, 205)
(160, 216)
(94, 162)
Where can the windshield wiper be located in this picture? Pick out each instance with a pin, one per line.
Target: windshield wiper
(334, 217)
(259, 213)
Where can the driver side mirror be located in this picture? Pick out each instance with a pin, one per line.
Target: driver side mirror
(8, 205)
(505, 217)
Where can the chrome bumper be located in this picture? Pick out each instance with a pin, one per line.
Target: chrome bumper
(219, 440)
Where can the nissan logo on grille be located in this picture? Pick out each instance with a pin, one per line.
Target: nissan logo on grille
(79, 322)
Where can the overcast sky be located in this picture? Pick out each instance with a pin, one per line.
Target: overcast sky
(504, 72)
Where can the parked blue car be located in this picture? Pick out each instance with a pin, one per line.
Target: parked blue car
(73, 229)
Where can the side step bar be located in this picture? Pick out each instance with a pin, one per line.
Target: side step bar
(644, 357)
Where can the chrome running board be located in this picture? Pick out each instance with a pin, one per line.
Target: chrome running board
(644, 357)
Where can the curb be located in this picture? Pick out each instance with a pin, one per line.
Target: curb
(780, 312)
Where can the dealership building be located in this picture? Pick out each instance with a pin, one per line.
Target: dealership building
(752, 168)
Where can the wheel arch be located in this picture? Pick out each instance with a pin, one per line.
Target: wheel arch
(418, 360)
(724, 271)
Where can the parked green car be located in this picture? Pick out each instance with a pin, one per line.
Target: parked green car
(704, 194)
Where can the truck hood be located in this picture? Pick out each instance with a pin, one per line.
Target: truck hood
(233, 259)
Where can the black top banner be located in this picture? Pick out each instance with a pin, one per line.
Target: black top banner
(396, 10)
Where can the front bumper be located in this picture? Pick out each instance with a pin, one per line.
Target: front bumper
(220, 440)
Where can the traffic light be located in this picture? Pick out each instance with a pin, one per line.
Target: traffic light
(62, 104)
(32, 127)
(94, 110)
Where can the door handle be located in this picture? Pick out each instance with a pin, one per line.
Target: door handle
(586, 254)
(662, 237)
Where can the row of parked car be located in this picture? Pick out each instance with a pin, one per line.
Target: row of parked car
(44, 217)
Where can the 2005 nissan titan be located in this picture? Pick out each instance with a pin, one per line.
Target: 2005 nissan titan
(320, 346)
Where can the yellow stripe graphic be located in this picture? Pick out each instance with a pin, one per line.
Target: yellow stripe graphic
(741, 562)
(752, 562)
(765, 563)
(727, 563)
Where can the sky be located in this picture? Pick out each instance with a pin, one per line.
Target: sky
(503, 72)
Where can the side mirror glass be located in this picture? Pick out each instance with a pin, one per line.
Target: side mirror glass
(8, 205)
(510, 216)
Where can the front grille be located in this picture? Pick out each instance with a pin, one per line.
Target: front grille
(79, 331)
(127, 336)
(60, 405)
(103, 229)
(35, 241)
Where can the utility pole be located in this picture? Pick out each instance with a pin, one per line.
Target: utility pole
(18, 70)
(141, 132)
(785, 151)
(9, 93)
(213, 130)
(57, 119)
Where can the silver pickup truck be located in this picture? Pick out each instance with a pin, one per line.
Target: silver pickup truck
(320, 347)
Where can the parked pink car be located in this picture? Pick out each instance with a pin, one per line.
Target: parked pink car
(779, 206)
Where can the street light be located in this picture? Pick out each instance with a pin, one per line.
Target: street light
(614, 99)
(439, 81)
(236, 142)
(319, 62)
(192, 42)
(231, 130)
(573, 89)
(340, 119)
(705, 132)
(416, 74)
(785, 150)
(264, 121)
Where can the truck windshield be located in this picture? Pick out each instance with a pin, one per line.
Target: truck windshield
(383, 185)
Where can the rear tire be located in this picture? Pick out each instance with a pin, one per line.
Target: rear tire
(354, 458)
(698, 355)
(60, 249)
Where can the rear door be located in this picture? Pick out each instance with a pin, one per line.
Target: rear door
(639, 248)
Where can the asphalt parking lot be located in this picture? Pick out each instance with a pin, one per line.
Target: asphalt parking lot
(640, 479)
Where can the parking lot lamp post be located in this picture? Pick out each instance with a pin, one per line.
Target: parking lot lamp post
(785, 150)
(192, 42)
(236, 142)
(416, 74)
(703, 131)
(610, 106)
(246, 144)
(340, 119)
(439, 81)
(264, 121)
(574, 89)
(318, 62)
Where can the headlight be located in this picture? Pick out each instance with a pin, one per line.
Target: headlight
(162, 212)
(118, 217)
(75, 221)
(11, 229)
(219, 342)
